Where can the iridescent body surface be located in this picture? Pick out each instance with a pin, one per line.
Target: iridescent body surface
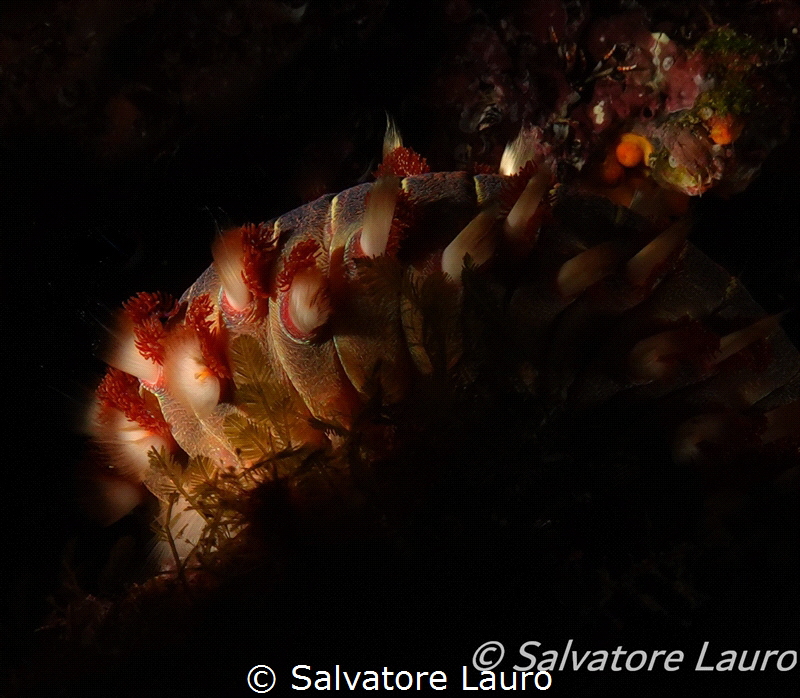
(346, 306)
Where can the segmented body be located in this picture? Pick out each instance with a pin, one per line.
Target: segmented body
(305, 323)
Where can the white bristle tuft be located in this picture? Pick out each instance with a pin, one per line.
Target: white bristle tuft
(516, 222)
(228, 253)
(392, 139)
(477, 240)
(649, 359)
(112, 498)
(126, 357)
(782, 422)
(587, 268)
(127, 445)
(378, 216)
(309, 302)
(186, 527)
(187, 376)
(734, 342)
(689, 435)
(517, 153)
(644, 264)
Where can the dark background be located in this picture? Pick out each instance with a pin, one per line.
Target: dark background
(122, 152)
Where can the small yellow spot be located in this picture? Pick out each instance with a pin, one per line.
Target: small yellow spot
(203, 375)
